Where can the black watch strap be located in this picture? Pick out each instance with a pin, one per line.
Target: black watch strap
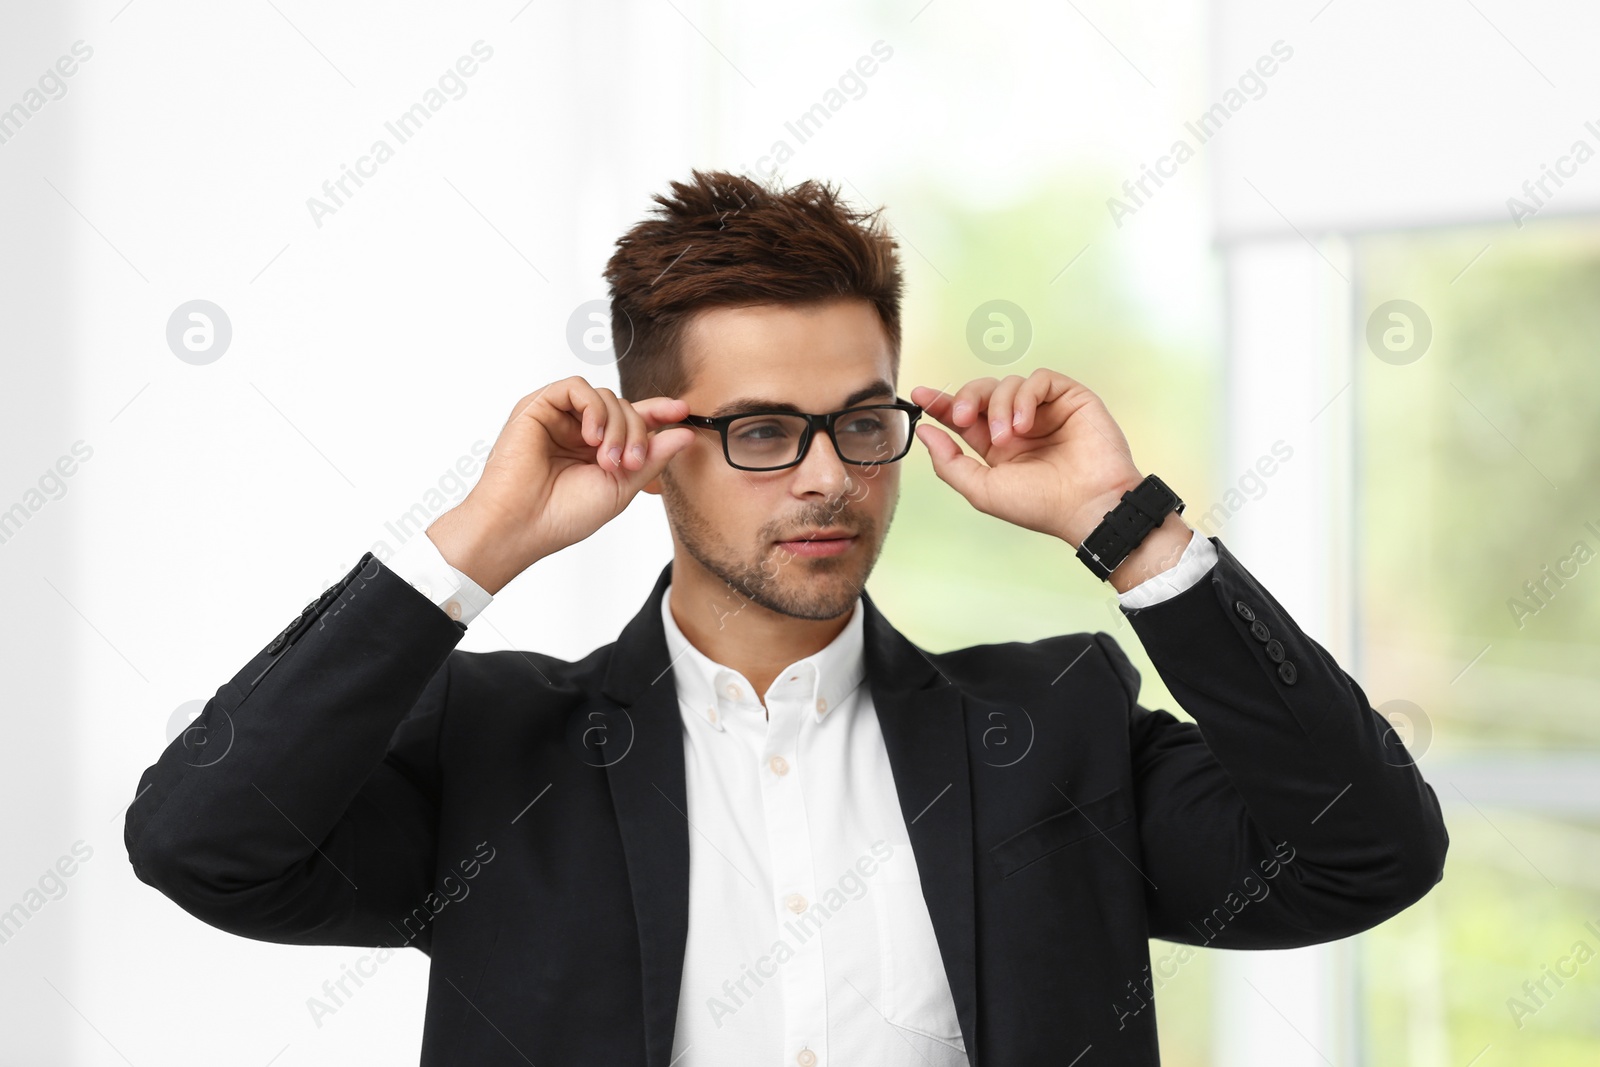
(1142, 509)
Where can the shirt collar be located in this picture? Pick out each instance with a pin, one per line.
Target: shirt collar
(823, 679)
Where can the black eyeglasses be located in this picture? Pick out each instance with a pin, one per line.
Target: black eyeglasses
(772, 440)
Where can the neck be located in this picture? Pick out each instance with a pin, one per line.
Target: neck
(731, 629)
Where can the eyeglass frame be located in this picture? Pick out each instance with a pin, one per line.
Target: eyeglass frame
(720, 423)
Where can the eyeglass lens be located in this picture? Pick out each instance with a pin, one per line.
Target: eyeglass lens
(864, 435)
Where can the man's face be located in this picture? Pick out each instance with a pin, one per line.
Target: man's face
(820, 357)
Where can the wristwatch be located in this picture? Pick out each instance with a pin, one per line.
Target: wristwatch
(1142, 509)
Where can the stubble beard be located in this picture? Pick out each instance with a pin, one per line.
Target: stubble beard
(800, 587)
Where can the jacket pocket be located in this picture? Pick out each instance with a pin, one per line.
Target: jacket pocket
(1079, 822)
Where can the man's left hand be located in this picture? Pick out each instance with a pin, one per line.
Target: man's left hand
(1056, 460)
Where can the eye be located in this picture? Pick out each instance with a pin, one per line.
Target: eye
(864, 424)
(764, 431)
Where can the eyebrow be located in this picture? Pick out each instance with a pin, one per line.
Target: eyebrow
(761, 403)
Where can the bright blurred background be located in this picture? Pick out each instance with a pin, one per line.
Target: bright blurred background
(1350, 317)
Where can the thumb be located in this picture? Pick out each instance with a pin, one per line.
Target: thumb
(663, 445)
(954, 467)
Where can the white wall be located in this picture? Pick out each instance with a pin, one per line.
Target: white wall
(369, 353)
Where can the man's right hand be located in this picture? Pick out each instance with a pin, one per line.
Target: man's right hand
(551, 479)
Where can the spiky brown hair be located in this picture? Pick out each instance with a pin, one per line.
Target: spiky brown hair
(723, 239)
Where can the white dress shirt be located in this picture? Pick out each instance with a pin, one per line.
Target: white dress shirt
(809, 940)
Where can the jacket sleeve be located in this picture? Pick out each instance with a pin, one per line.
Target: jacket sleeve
(301, 806)
(1288, 813)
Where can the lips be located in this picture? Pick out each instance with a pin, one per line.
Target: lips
(820, 535)
(817, 544)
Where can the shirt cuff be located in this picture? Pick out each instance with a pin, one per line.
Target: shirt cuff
(420, 562)
(1199, 556)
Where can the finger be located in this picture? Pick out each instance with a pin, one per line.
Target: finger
(1027, 401)
(576, 399)
(613, 430)
(523, 407)
(661, 447)
(661, 411)
(633, 445)
(953, 466)
(971, 400)
(1001, 404)
(940, 407)
(1044, 386)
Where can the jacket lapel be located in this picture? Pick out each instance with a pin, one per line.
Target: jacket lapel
(921, 716)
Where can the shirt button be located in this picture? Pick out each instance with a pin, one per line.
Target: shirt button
(735, 692)
(779, 765)
(453, 609)
(422, 587)
(822, 705)
(711, 713)
(796, 903)
(807, 1058)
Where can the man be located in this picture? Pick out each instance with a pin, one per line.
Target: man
(762, 826)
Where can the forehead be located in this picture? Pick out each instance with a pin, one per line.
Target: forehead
(817, 356)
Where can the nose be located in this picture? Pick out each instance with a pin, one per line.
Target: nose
(821, 470)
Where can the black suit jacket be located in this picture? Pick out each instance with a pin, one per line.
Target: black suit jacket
(519, 817)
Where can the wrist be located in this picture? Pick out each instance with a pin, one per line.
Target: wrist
(475, 546)
(1090, 515)
(1159, 551)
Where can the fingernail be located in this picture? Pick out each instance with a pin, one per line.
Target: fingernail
(616, 454)
(962, 409)
(995, 426)
(637, 451)
(1016, 420)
